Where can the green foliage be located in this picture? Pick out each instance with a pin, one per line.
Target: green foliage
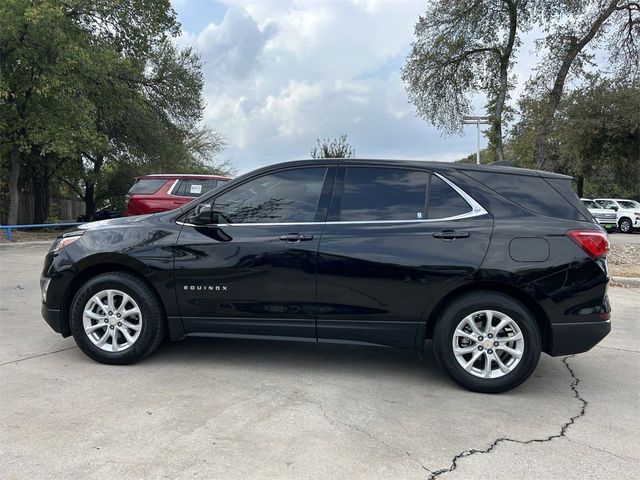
(595, 136)
(89, 87)
(462, 48)
(333, 148)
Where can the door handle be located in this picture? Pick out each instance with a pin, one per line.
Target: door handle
(295, 238)
(450, 234)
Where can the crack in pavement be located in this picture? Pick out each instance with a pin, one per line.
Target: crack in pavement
(597, 449)
(390, 448)
(617, 349)
(36, 356)
(563, 430)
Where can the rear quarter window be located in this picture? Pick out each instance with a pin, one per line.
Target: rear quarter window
(535, 194)
(147, 186)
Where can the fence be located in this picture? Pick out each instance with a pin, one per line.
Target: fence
(63, 209)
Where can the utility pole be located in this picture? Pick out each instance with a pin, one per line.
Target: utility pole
(477, 120)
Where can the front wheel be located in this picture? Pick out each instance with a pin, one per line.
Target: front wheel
(625, 226)
(116, 318)
(487, 342)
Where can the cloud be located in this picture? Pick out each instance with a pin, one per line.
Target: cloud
(281, 74)
(233, 48)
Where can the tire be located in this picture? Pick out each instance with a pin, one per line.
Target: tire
(625, 226)
(506, 309)
(142, 312)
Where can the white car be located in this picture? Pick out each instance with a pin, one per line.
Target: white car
(606, 217)
(627, 212)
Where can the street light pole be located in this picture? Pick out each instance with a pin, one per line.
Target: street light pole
(477, 120)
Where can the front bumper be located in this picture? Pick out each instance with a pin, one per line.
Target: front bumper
(570, 338)
(53, 318)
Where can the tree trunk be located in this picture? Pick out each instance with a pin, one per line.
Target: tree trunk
(501, 97)
(580, 185)
(89, 201)
(540, 145)
(39, 168)
(40, 184)
(14, 197)
(90, 190)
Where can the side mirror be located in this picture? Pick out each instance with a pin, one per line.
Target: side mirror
(614, 208)
(201, 215)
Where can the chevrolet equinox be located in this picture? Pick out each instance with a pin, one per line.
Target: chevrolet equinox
(493, 264)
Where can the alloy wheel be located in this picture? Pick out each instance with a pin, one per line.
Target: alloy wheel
(112, 320)
(625, 226)
(488, 344)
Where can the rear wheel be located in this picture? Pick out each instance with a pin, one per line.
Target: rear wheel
(626, 226)
(116, 318)
(487, 342)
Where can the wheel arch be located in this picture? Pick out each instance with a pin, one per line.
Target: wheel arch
(91, 270)
(538, 313)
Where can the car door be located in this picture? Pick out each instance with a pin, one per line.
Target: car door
(253, 272)
(394, 238)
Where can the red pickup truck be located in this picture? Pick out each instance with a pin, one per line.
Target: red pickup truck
(162, 192)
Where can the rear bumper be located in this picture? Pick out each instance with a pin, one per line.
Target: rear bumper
(570, 338)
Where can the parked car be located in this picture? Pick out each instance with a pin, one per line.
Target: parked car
(604, 216)
(493, 264)
(627, 212)
(162, 192)
(103, 213)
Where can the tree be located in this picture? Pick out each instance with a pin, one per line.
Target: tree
(461, 48)
(42, 108)
(92, 85)
(572, 26)
(333, 148)
(594, 136)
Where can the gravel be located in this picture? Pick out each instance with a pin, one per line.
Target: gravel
(624, 260)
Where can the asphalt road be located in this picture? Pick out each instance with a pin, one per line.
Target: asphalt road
(267, 410)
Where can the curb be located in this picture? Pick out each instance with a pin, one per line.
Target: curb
(36, 243)
(626, 281)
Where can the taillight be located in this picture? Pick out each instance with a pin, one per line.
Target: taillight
(594, 242)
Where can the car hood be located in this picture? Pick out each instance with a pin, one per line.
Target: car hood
(114, 222)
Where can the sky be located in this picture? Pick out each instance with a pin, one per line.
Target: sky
(280, 74)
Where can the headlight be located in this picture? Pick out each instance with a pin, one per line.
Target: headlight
(66, 240)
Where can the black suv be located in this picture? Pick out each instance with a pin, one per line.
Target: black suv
(494, 264)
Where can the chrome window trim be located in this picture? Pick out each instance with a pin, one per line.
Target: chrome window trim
(476, 211)
(476, 208)
(170, 192)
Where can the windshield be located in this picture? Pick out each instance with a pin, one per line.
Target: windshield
(590, 204)
(628, 204)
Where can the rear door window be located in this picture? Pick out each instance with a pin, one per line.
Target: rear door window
(392, 194)
(195, 187)
(147, 186)
(444, 201)
(606, 203)
(378, 194)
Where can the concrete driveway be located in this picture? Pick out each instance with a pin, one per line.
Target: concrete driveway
(228, 409)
